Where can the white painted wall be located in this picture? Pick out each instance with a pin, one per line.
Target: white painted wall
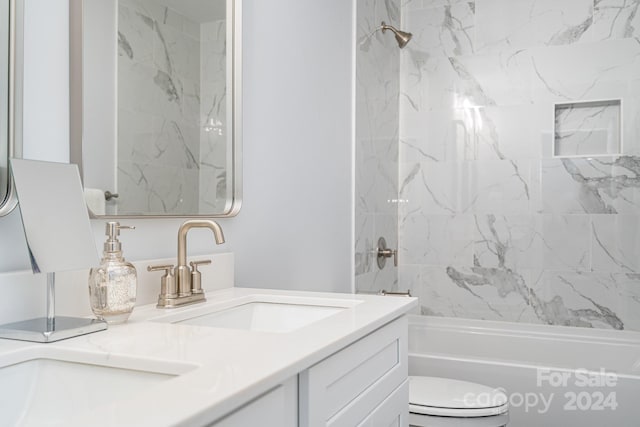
(295, 228)
(46, 80)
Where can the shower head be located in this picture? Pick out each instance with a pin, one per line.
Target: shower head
(402, 37)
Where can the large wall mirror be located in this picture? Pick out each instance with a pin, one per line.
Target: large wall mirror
(10, 12)
(156, 106)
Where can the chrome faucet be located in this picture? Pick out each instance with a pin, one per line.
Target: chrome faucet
(184, 285)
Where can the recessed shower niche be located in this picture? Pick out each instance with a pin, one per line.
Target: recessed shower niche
(587, 128)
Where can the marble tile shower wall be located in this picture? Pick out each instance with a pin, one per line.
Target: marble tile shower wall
(376, 157)
(492, 224)
(158, 108)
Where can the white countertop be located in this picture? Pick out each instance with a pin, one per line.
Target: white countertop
(224, 367)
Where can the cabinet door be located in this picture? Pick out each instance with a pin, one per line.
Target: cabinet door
(393, 412)
(276, 408)
(345, 388)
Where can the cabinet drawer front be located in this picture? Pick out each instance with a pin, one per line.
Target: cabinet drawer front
(356, 379)
(393, 412)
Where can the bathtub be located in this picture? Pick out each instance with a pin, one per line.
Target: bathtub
(553, 375)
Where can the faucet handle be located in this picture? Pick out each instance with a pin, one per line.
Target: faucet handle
(168, 288)
(196, 276)
(195, 264)
(167, 268)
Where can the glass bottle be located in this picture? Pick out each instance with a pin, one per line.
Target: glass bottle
(112, 285)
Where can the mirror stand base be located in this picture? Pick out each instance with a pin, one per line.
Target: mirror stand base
(44, 330)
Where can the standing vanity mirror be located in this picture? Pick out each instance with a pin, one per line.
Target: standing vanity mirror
(156, 106)
(10, 12)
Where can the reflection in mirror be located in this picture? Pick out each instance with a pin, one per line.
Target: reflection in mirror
(160, 107)
(8, 15)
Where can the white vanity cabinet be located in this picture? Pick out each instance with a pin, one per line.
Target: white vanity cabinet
(362, 384)
(348, 368)
(393, 412)
(278, 408)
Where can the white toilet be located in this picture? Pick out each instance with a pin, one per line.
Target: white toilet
(443, 402)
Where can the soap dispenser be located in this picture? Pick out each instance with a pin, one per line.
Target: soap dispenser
(112, 285)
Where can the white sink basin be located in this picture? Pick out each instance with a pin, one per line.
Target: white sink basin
(264, 317)
(44, 388)
(263, 313)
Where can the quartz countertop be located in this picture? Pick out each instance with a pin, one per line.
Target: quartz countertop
(220, 369)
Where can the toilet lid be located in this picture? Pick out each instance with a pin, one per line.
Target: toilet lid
(453, 398)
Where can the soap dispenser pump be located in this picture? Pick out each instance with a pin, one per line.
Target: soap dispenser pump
(112, 285)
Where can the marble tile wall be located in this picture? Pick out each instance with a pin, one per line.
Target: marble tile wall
(376, 157)
(159, 109)
(495, 225)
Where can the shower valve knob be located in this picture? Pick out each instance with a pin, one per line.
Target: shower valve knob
(383, 253)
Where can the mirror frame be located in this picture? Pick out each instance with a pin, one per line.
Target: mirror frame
(14, 86)
(234, 13)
